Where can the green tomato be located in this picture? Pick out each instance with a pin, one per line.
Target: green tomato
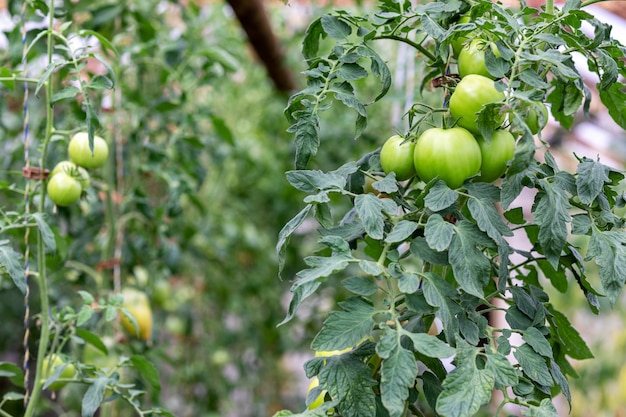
(49, 365)
(137, 304)
(495, 155)
(397, 157)
(73, 170)
(452, 155)
(459, 40)
(533, 121)
(80, 153)
(472, 58)
(63, 189)
(470, 95)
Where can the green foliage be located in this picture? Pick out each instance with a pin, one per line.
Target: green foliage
(422, 252)
(188, 204)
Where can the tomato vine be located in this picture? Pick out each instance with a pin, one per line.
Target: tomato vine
(426, 251)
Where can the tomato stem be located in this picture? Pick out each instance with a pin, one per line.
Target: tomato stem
(41, 254)
(415, 45)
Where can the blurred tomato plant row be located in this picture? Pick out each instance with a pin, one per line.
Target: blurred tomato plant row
(152, 279)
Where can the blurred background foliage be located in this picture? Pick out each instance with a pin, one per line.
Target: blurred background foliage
(193, 201)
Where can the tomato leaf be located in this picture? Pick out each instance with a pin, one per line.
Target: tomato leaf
(9, 260)
(370, 209)
(313, 181)
(348, 381)
(421, 249)
(608, 249)
(92, 339)
(467, 387)
(429, 345)
(147, 371)
(285, 234)
(571, 342)
(439, 293)
(560, 379)
(499, 365)
(85, 313)
(533, 365)
(538, 342)
(613, 98)
(65, 93)
(440, 197)
(379, 68)
(401, 231)
(482, 207)
(307, 137)
(335, 27)
(93, 396)
(398, 372)
(347, 327)
(551, 214)
(13, 372)
(438, 233)
(592, 176)
(470, 266)
(311, 41)
(360, 285)
(300, 293)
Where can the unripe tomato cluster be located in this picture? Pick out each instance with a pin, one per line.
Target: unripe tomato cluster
(457, 154)
(451, 155)
(69, 179)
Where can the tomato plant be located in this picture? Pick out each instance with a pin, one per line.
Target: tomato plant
(495, 154)
(451, 155)
(396, 155)
(434, 257)
(85, 154)
(64, 189)
(470, 95)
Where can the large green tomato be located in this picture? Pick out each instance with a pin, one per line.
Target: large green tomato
(495, 155)
(80, 153)
(397, 157)
(49, 364)
(470, 95)
(472, 58)
(63, 189)
(452, 155)
(73, 170)
(532, 119)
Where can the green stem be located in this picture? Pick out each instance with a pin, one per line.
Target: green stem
(550, 6)
(4, 413)
(41, 255)
(20, 79)
(417, 46)
(589, 3)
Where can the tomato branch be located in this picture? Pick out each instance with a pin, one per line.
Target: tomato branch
(415, 45)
